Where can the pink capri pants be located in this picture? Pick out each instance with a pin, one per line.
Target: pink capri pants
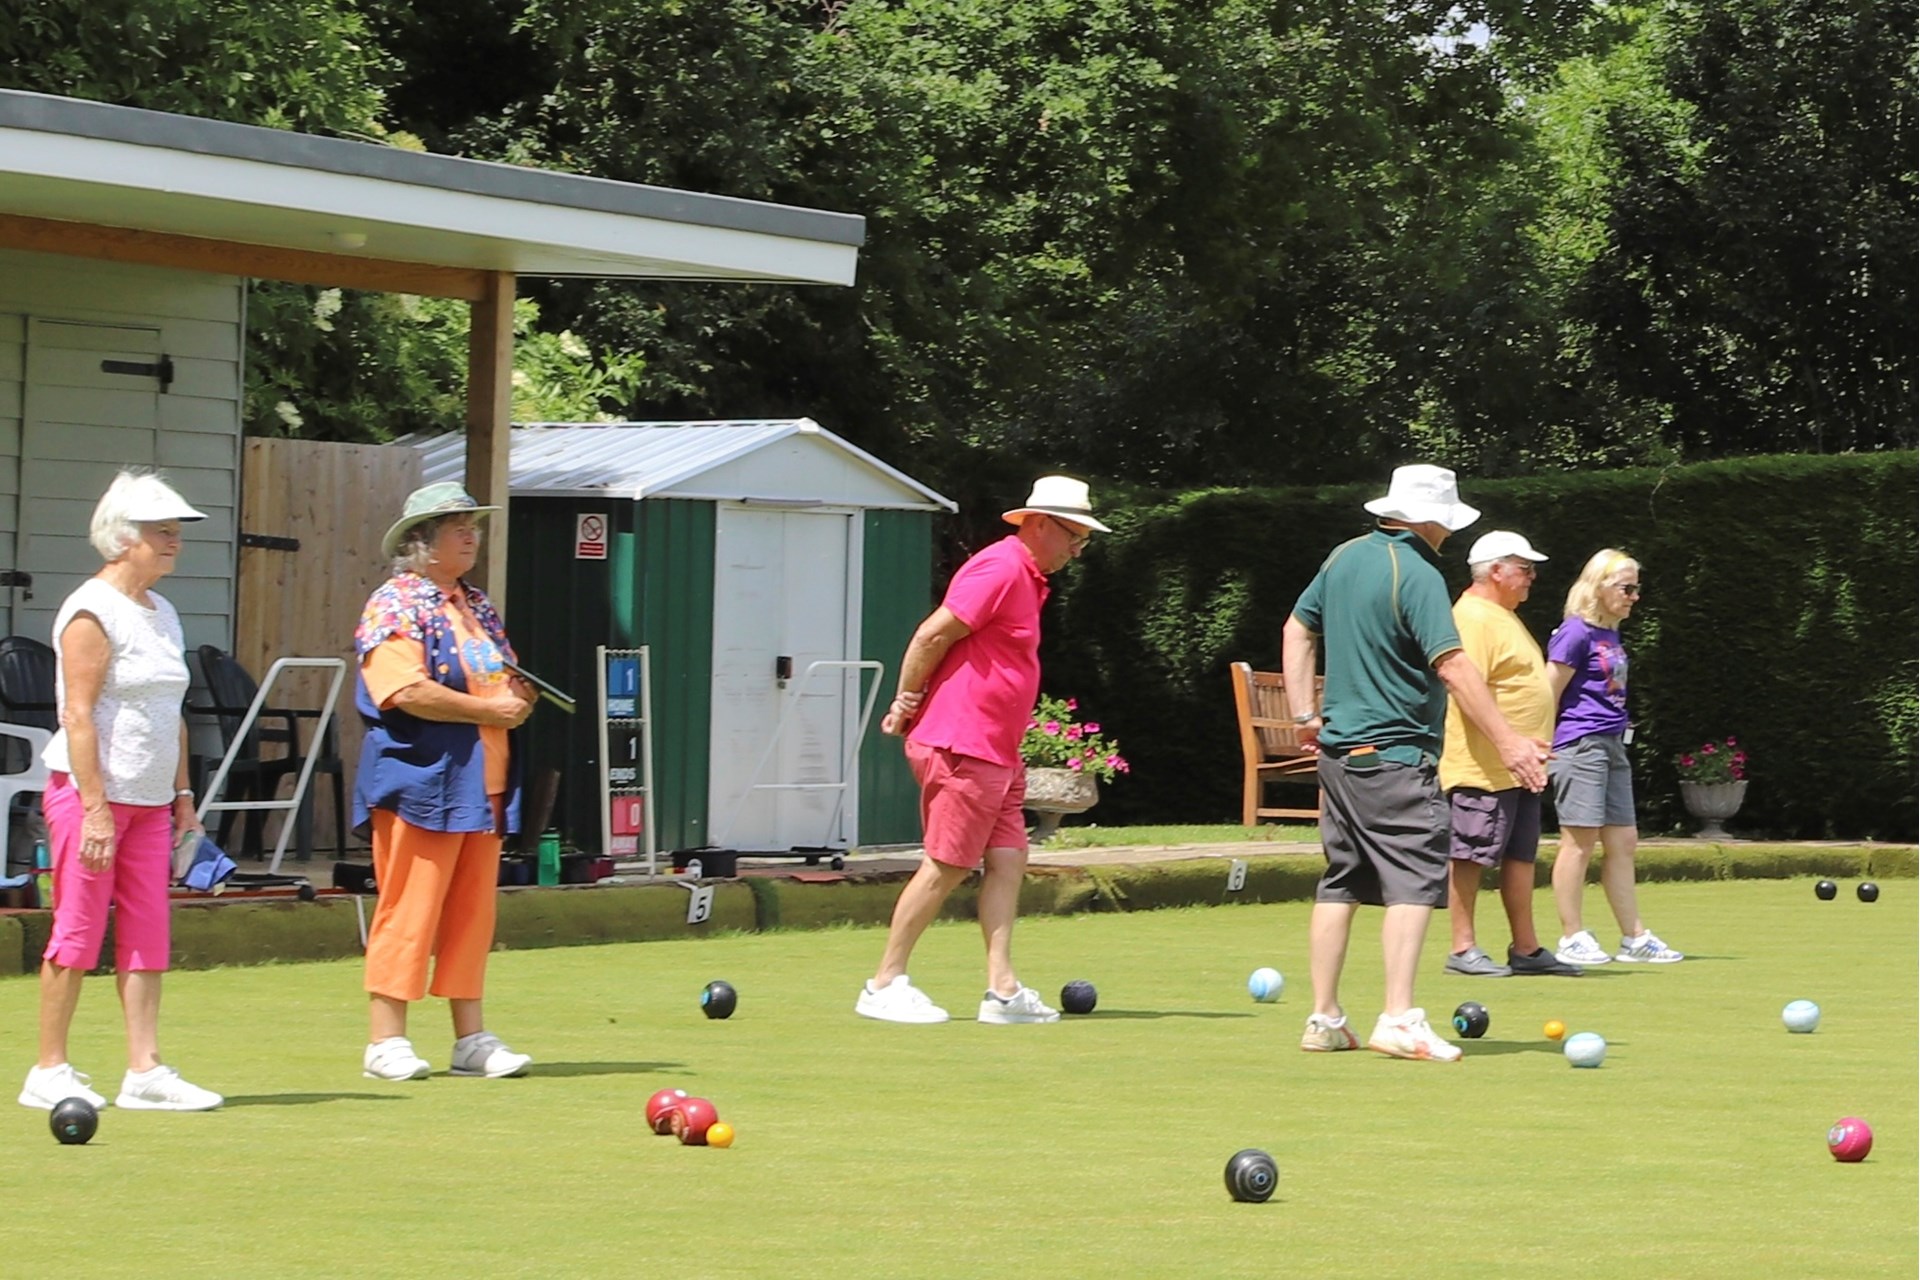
(135, 883)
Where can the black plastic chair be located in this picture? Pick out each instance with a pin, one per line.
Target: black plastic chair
(256, 775)
(27, 670)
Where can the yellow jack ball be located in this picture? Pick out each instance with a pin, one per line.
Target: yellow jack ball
(1555, 1029)
(720, 1135)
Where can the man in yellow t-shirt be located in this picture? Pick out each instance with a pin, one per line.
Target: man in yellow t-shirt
(1496, 821)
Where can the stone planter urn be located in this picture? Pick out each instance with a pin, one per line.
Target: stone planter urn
(1713, 803)
(1052, 794)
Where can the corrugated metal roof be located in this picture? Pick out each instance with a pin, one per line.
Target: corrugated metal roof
(638, 459)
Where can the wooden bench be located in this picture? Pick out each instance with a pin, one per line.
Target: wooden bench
(1270, 744)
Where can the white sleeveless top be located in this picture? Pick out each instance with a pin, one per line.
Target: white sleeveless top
(137, 716)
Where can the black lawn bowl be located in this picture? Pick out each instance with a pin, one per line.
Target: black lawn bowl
(1826, 890)
(73, 1121)
(1868, 891)
(719, 1000)
(1078, 996)
(1252, 1176)
(1471, 1020)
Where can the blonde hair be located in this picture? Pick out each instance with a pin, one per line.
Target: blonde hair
(1583, 597)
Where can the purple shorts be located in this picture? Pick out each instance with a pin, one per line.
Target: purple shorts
(1490, 827)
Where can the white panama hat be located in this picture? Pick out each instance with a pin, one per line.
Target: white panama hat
(1498, 544)
(1422, 494)
(1060, 496)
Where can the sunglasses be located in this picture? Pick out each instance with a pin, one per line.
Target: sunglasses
(1075, 537)
(1627, 588)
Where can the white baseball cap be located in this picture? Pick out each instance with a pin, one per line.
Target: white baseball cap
(1498, 544)
(148, 499)
(1422, 494)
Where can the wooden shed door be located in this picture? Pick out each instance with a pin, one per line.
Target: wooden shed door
(781, 592)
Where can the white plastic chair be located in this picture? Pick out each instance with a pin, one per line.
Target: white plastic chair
(32, 780)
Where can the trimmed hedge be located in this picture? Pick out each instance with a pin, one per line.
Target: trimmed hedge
(1780, 609)
(210, 934)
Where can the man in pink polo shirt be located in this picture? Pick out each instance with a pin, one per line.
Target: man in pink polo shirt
(968, 684)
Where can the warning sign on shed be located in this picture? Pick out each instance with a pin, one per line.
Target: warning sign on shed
(590, 538)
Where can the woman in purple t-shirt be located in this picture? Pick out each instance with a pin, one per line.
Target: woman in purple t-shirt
(1591, 777)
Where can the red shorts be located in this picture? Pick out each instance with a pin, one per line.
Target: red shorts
(967, 805)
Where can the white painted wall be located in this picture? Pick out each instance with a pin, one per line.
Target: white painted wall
(66, 426)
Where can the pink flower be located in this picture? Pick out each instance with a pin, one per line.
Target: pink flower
(1073, 704)
(1739, 757)
(1115, 762)
(1686, 762)
(1124, 767)
(1732, 742)
(1075, 733)
(1708, 749)
(1052, 727)
(1092, 727)
(1076, 764)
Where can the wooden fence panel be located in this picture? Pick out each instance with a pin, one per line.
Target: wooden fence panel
(336, 500)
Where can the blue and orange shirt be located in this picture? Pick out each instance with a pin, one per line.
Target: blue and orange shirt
(435, 775)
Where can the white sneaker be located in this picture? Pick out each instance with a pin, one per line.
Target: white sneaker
(1582, 949)
(1647, 949)
(482, 1054)
(1024, 1005)
(1409, 1036)
(162, 1089)
(394, 1059)
(898, 1001)
(47, 1087)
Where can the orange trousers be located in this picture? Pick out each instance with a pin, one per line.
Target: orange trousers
(438, 891)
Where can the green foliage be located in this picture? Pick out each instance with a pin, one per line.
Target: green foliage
(1773, 613)
(287, 64)
(408, 367)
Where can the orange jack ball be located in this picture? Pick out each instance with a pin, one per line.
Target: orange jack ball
(720, 1135)
(1555, 1029)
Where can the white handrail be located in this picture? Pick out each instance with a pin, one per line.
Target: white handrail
(209, 805)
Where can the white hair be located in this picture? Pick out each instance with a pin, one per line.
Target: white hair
(114, 529)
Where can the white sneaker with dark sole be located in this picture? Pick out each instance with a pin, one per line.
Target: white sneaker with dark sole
(1024, 1005)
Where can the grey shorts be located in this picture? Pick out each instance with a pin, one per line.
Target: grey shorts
(1491, 827)
(1592, 782)
(1384, 829)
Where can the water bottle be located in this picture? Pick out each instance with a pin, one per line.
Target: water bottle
(42, 875)
(550, 858)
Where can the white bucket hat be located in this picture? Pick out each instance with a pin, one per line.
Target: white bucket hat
(1061, 496)
(1422, 494)
(1498, 544)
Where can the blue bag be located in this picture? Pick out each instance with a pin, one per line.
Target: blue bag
(209, 868)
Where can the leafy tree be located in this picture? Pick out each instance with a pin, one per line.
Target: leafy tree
(287, 64)
(1757, 280)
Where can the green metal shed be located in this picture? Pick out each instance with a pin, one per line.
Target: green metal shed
(738, 552)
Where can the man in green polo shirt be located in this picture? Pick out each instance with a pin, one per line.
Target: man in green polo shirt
(1392, 657)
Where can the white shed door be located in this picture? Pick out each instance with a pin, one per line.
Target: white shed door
(91, 407)
(780, 602)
